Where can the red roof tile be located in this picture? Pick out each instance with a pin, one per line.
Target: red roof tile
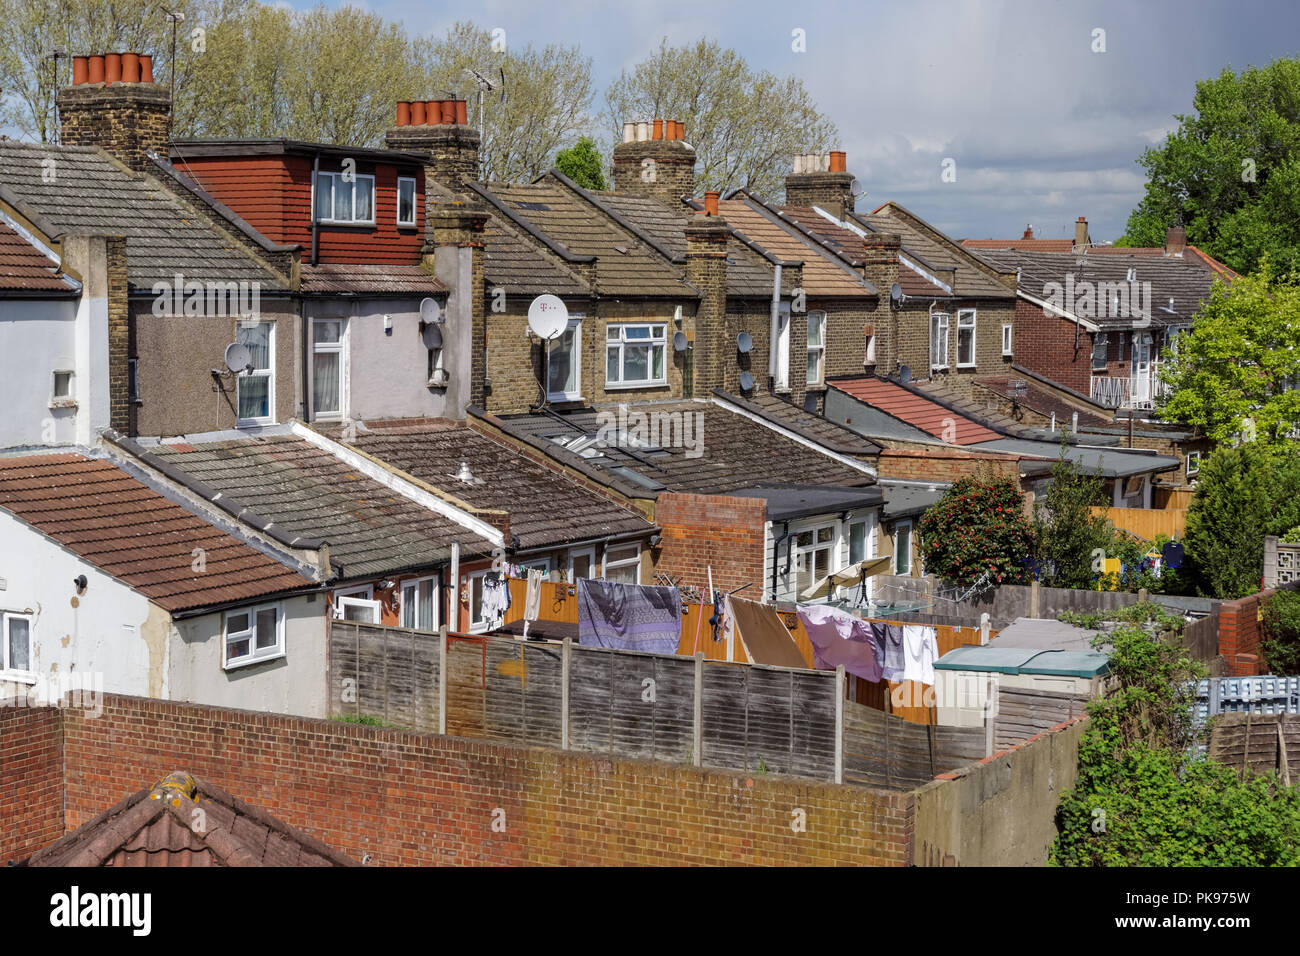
(24, 268)
(916, 411)
(1028, 245)
(131, 532)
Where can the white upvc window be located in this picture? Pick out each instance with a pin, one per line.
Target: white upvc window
(1193, 463)
(903, 547)
(478, 622)
(564, 365)
(347, 203)
(1099, 352)
(938, 340)
(355, 604)
(17, 654)
(582, 563)
(329, 356)
(419, 599)
(1006, 338)
(623, 564)
(406, 200)
(253, 634)
(965, 338)
(634, 354)
(815, 550)
(255, 387)
(816, 346)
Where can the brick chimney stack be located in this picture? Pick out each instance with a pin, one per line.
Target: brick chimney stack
(1175, 241)
(441, 130)
(880, 267)
(706, 269)
(1029, 232)
(1081, 238)
(821, 180)
(655, 160)
(113, 103)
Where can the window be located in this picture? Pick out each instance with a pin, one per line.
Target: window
(903, 548)
(966, 338)
(16, 654)
(1099, 352)
(405, 201)
(781, 355)
(420, 603)
(564, 368)
(1006, 339)
(62, 385)
(255, 389)
(814, 548)
(816, 346)
(1193, 463)
(327, 368)
(1120, 338)
(857, 542)
(634, 355)
(623, 564)
(477, 621)
(254, 634)
(938, 340)
(870, 357)
(581, 562)
(345, 202)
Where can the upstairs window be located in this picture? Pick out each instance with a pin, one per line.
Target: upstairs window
(1006, 339)
(564, 365)
(16, 652)
(634, 354)
(938, 340)
(349, 203)
(1099, 352)
(405, 201)
(255, 388)
(966, 338)
(327, 368)
(816, 346)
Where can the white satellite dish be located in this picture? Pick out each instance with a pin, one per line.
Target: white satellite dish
(744, 342)
(746, 382)
(430, 311)
(432, 336)
(548, 317)
(679, 341)
(238, 358)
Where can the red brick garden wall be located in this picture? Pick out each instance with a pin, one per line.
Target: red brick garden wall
(703, 531)
(31, 780)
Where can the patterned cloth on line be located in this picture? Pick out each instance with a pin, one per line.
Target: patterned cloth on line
(629, 617)
(840, 638)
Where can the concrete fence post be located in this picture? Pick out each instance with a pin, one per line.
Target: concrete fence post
(698, 717)
(566, 660)
(442, 679)
(840, 684)
(1033, 599)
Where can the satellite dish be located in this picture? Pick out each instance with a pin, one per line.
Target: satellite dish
(238, 358)
(679, 342)
(896, 294)
(432, 335)
(430, 311)
(548, 317)
(744, 342)
(746, 382)
(905, 373)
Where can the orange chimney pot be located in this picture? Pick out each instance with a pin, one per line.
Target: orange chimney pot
(448, 112)
(80, 68)
(839, 161)
(710, 204)
(417, 112)
(403, 113)
(462, 113)
(130, 67)
(95, 70)
(112, 68)
(658, 130)
(146, 68)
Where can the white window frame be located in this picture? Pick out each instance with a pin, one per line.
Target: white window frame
(659, 341)
(1193, 463)
(574, 326)
(335, 179)
(339, 348)
(415, 212)
(266, 373)
(589, 553)
(606, 565)
(903, 552)
(966, 322)
(781, 380)
(818, 350)
(7, 670)
(255, 655)
(1007, 338)
(938, 333)
(832, 547)
(365, 592)
(480, 626)
(414, 585)
(1099, 340)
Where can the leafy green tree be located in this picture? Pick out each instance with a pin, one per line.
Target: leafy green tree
(1067, 532)
(746, 125)
(1281, 643)
(1234, 373)
(1230, 173)
(979, 527)
(582, 163)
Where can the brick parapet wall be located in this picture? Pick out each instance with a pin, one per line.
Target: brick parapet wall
(711, 531)
(31, 780)
(942, 466)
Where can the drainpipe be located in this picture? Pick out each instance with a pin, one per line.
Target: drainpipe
(315, 225)
(776, 548)
(453, 605)
(772, 332)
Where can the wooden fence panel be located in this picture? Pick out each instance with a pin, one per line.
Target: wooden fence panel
(1147, 523)
(1256, 742)
(1022, 713)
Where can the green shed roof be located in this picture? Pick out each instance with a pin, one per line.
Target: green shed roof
(1024, 660)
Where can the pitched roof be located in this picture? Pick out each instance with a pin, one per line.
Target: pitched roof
(725, 451)
(354, 279)
(25, 268)
(1029, 393)
(915, 410)
(1196, 253)
(818, 428)
(545, 507)
(1067, 245)
(370, 528)
(920, 237)
(824, 274)
(1024, 245)
(161, 826)
(978, 407)
(624, 265)
(164, 237)
(127, 530)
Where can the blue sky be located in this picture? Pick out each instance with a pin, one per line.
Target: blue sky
(1042, 129)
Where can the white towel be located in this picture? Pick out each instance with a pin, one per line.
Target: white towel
(920, 650)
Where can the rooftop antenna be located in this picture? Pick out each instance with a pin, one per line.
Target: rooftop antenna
(174, 17)
(56, 54)
(487, 85)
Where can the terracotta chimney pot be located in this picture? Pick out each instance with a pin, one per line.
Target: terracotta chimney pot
(448, 112)
(658, 129)
(112, 68)
(710, 204)
(417, 112)
(403, 113)
(79, 70)
(130, 67)
(146, 68)
(462, 113)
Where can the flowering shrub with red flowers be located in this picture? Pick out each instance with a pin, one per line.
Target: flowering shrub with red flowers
(978, 526)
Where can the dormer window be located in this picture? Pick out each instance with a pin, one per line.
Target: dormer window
(350, 200)
(405, 201)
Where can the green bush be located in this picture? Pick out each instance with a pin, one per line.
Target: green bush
(978, 527)
(1281, 642)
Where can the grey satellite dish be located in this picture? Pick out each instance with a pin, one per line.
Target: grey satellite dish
(430, 311)
(679, 342)
(548, 317)
(432, 335)
(746, 382)
(744, 342)
(238, 358)
(905, 373)
(896, 294)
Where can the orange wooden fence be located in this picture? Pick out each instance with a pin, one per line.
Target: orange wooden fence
(1147, 523)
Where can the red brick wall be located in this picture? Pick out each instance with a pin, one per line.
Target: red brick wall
(703, 531)
(421, 799)
(31, 780)
(942, 466)
(1239, 635)
(1046, 344)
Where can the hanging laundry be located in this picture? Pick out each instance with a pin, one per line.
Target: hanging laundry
(762, 633)
(840, 638)
(532, 598)
(921, 649)
(630, 617)
(895, 661)
(495, 601)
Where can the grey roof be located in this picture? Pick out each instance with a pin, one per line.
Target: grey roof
(92, 193)
(1044, 634)
(810, 425)
(1187, 280)
(370, 529)
(1114, 463)
(970, 280)
(872, 422)
(800, 501)
(904, 499)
